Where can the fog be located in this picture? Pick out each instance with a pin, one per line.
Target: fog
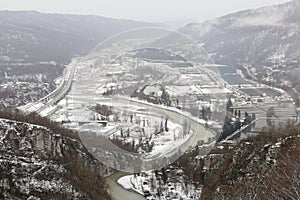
(142, 10)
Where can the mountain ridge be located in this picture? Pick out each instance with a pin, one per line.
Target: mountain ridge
(237, 38)
(62, 36)
(38, 46)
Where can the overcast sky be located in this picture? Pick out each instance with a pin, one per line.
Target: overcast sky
(145, 10)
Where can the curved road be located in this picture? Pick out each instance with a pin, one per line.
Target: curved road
(200, 133)
(55, 96)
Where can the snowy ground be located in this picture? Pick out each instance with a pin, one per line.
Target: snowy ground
(153, 187)
(146, 127)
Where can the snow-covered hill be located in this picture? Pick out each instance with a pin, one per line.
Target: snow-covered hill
(34, 47)
(256, 37)
(32, 36)
(265, 166)
(37, 163)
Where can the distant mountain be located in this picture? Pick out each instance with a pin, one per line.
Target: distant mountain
(35, 46)
(255, 37)
(175, 24)
(33, 36)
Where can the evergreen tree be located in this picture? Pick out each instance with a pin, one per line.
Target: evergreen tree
(297, 102)
(166, 125)
(229, 106)
(164, 175)
(253, 119)
(235, 113)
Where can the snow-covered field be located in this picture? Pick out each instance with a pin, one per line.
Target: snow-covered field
(151, 128)
(87, 91)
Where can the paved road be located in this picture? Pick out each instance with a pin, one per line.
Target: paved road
(200, 133)
(55, 96)
(61, 93)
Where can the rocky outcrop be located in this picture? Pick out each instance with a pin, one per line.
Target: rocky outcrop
(265, 166)
(36, 163)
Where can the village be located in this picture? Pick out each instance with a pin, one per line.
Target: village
(158, 109)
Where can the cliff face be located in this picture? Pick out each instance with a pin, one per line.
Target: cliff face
(37, 163)
(265, 166)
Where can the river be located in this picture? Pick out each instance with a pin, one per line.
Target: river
(200, 133)
(118, 192)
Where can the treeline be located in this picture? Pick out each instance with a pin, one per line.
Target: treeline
(265, 166)
(192, 167)
(50, 72)
(34, 118)
(82, 169)
(234, 122)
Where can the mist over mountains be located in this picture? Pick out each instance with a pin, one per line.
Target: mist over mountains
(256, 37)
(33, 36)
(40, 159)
(34, 47)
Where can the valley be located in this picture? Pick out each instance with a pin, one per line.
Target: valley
(141, 110)
(100, 108)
